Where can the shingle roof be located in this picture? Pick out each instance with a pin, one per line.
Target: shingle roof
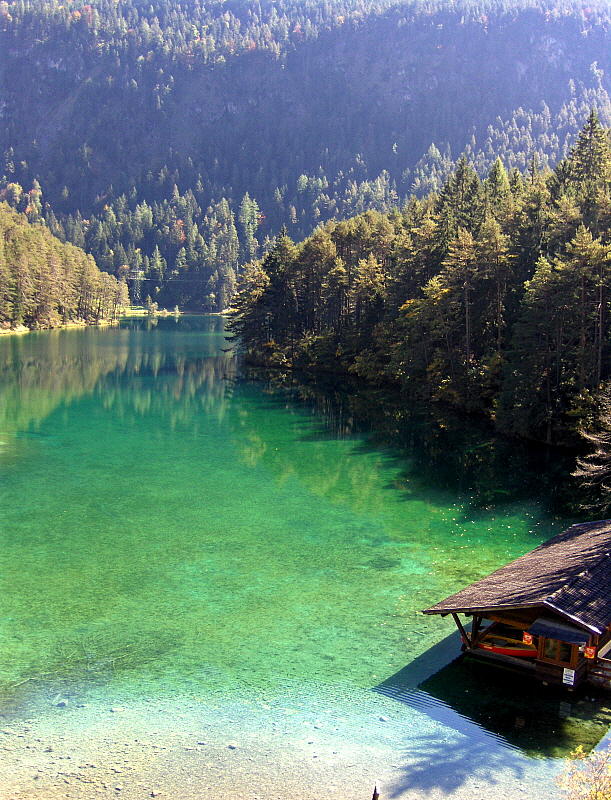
(569, 574)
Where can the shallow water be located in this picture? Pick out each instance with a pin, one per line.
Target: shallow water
(170, 529)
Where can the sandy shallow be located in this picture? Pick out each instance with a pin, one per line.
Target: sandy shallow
(191, 748)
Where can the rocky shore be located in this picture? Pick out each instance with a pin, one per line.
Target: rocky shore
(83, 751)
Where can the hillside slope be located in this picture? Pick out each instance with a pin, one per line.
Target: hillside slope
(312, 110)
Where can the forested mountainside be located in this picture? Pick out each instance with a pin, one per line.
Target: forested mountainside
(171, 139)
(493, 295)
(45, 283)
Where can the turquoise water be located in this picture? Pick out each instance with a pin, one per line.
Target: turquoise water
(169, 527)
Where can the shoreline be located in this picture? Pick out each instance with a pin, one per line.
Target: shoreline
(125, 758)
(22, 329)
(103, 323)
(135, 313)
(187, 747)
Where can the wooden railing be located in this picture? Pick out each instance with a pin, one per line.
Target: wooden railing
(600, 672)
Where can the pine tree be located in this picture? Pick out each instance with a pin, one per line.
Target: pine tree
(368, 294)
(458, 275)
(495, 263)
(248, 218)
(460, 202)
(593, 471)
(589, 168)
(157, 264)
(586, 271)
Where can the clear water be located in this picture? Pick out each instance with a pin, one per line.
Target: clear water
(168, 526)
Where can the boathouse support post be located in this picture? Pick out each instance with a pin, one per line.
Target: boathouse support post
(475, 628)
(463, 633)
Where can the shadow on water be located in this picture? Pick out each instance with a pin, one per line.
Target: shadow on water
(435, 764)
(430, 445)
(488, 704)
(468, 748)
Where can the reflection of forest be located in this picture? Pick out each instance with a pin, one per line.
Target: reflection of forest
(136, 373)
(320, 461)
(171, 386)
(178, 367)
(438, 454)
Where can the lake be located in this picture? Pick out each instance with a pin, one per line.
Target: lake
(247, 562)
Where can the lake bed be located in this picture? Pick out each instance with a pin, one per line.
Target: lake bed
(207, 580)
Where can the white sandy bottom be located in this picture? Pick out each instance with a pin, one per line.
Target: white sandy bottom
(190, 747)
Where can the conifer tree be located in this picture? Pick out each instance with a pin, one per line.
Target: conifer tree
(495, 264)
(458, 277)
(593, 471)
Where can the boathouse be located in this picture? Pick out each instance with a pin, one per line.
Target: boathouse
(548, 611)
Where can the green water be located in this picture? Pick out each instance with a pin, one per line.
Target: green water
(169, 526)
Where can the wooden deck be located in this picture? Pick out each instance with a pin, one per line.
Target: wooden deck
(521, 664)
(597, 673)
